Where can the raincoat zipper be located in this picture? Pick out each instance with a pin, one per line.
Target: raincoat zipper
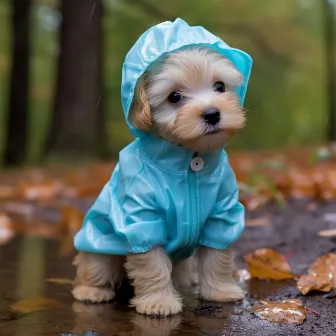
(193, 205)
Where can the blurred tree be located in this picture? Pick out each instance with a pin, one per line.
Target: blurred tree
(330, 43)
(17, 122)
(78, 121)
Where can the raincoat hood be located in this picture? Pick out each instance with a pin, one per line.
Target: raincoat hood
(165, 38)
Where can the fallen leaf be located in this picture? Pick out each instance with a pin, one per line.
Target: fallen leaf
(321, 275)
(286, 311)
(263, 221)
(35, 304)
(40, 191)
(6, 191)
(299, 184)
(254, 202)
(327, 233)
(268, 264)
(66, 244)
(6, 229)
(311, 207)
(20, 208)
(60, 281)
(71, 218)
(326, 184)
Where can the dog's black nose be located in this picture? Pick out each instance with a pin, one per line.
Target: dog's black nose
(211, 116)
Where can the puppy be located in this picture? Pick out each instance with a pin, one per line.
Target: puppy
(188, 99)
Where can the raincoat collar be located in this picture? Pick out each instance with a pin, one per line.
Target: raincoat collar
(173, 158)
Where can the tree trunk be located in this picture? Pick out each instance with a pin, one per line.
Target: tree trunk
(17, 121)
(78, 121)
(330, 54)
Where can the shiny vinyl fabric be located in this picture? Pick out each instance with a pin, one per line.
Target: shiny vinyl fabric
(155, 196)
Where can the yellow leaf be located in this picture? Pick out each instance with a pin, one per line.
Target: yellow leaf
(268, 264)
(35, 304)
(60, 281)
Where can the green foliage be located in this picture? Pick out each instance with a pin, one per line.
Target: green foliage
(285, 101)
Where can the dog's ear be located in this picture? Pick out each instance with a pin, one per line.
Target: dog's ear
(140, 114)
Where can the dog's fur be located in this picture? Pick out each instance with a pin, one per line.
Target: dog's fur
(192, 72)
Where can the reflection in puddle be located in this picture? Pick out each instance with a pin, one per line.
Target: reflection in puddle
(31, 279)
(90, 317)
(32, 267)
(150, 326)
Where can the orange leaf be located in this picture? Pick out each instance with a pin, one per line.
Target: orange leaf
(286, 311)
(71, 218)
(60, 281)
(35, 304)
(268, 264)
(263, 221)
(40, 191)
(321, 275)
(6, 191)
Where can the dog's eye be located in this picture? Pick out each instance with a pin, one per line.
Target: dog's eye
(219, 87)
(175, 97)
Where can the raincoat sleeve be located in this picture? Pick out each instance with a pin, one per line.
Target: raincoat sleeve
(144, 227)
(227, 220)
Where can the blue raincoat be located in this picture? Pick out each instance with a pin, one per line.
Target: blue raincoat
(156, 196)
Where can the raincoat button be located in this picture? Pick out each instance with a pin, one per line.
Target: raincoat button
(197, 164)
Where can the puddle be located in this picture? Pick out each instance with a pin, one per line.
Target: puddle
(40, 267)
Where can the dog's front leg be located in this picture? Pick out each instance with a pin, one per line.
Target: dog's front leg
(216, 278)
(151, 276)
(97, 276)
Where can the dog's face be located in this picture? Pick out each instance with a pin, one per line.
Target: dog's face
(188, 98)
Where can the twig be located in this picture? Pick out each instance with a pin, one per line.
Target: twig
(290, 254)
(312, 311)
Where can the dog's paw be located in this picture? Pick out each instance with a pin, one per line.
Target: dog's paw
(158, 306)
(93, 294)
(225, 293)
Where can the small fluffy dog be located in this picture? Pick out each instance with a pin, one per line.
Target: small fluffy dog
(187, 98)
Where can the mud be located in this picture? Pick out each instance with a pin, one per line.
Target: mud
(27, 261)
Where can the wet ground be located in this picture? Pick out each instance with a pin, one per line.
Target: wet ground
(27, 261)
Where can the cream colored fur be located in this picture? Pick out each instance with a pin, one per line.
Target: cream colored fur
(150, 273)
(216, 277)
(97, 276)
(192, 72)
(184, 273)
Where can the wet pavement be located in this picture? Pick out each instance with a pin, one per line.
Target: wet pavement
(28, 260)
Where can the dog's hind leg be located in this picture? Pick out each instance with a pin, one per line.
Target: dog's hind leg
(150, 273)
(185, 273)
(97, 276)
(216, 278)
